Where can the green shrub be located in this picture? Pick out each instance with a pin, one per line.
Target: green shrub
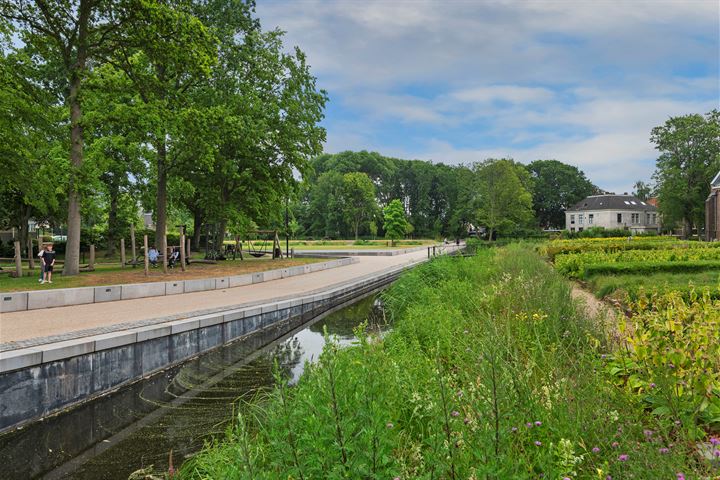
(691, 266)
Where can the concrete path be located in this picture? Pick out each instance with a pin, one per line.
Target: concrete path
(32, 324)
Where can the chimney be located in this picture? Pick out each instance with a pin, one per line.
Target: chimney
(625, 193)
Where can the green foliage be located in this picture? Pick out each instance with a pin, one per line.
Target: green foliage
(556, 187)
(689, 158)
(673, 362)
(503, 202)
(358, 198)
(395, 224)
(611, 244)
(490, 372)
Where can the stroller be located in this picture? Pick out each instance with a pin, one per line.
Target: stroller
(174, 257)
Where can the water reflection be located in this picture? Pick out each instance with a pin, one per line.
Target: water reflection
(178, 410)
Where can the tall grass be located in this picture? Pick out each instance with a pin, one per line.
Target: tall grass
(491, 372)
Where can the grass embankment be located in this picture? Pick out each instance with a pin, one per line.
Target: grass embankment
(492, 371)
(357, 245)
(114, 274)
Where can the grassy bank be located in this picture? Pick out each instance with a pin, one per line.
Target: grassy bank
(491, 372)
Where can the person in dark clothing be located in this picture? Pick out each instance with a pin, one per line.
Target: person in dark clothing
(48, 259)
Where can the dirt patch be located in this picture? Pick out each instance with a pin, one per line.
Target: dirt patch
(606, 315)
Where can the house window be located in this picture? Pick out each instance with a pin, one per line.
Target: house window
(572, 229)
(634, 218)
(581, 218)
(654, 219)
(580, 229)
(647, 219)
(590, 219)
(572, 219)
(619, 217)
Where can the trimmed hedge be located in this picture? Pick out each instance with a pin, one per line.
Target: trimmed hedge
(650, 267)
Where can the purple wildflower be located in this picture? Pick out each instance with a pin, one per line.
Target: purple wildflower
(652, 385)
(596, 450)
(528, 424)
(609, 477)
(680, 476)
(455, 413)
(615, 445)
(716, 453)
(648, 433)
(623, 458)
(538, 423)
(466, 421)
(538, 443)
(715, 441)
(664, 450)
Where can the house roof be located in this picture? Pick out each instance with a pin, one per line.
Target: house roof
(612, 202)
(715, 181)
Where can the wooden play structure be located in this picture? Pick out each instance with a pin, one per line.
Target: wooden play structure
(261, 250)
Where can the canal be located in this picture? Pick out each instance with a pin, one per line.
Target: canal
(177, 410)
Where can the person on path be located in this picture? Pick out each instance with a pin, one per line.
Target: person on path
(153, 256)
(42, 265)
(48, 259)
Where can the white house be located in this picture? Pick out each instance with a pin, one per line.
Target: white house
(613, 211)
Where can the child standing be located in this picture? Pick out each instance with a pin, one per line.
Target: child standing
(42, 265)
(48, 259)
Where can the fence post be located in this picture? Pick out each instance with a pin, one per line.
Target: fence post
(18, 260)
(133, 260)
(91, 264)
(188, 242)
(31, 257)
(145, 242)
(182, 252)
(165, 253)
(428, 252)
(122, 252)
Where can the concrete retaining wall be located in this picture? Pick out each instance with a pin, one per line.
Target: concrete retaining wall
(63, 297)
(39, 381)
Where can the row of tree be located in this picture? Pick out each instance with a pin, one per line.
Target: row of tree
(344, 194)
(186, 107)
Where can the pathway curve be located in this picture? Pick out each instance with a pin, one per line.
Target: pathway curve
(56, 322)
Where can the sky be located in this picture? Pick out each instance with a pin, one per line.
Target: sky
(459, 81)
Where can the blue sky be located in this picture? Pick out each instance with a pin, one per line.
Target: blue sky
(458, 81)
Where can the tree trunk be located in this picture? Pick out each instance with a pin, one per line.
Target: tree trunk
(113, 226)
(197, 228)
(77, 69)
(357, 227)
(220, 239)
(161, 198)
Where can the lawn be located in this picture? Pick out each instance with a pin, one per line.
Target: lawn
(112, 274)
(630, 286)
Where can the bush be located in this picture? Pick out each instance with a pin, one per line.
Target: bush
(650, 267)
(673, 362)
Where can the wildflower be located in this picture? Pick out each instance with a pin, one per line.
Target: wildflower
(466, 420)
(459, 393)
(678, 422)
(652, 385)
(609, 477)
(538, 423)
(513, 429)
(603, 356)
(716, 453)
(615, 445)
(396, 478)
(715, 441)
(648, 433)
(389, 425)
(567, 478)
(528, 424)
(455, 413)
(664, 450)
(680, 476)
(538, 443)
(596, 450)
(623, 458)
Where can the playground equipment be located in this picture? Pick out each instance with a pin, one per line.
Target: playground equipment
(261, 251)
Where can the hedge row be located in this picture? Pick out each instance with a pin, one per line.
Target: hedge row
(650, 267)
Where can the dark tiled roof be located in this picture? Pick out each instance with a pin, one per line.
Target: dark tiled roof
(612, 202)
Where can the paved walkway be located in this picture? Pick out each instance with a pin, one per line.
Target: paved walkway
(62, 322)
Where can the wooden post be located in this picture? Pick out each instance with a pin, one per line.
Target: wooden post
(18, 260)
(91, 264)
(165, 254)
(31, 257)
(147, 262)
(188, 242)
(122, 252)
(133, 260)
(182, 252)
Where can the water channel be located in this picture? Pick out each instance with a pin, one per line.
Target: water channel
(178, 409)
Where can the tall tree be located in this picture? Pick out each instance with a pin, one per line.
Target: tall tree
(689, 149)
(358, 199)
(642, 190)
(556, 186)
(503, 202)
(395, 224)
(66, 36)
